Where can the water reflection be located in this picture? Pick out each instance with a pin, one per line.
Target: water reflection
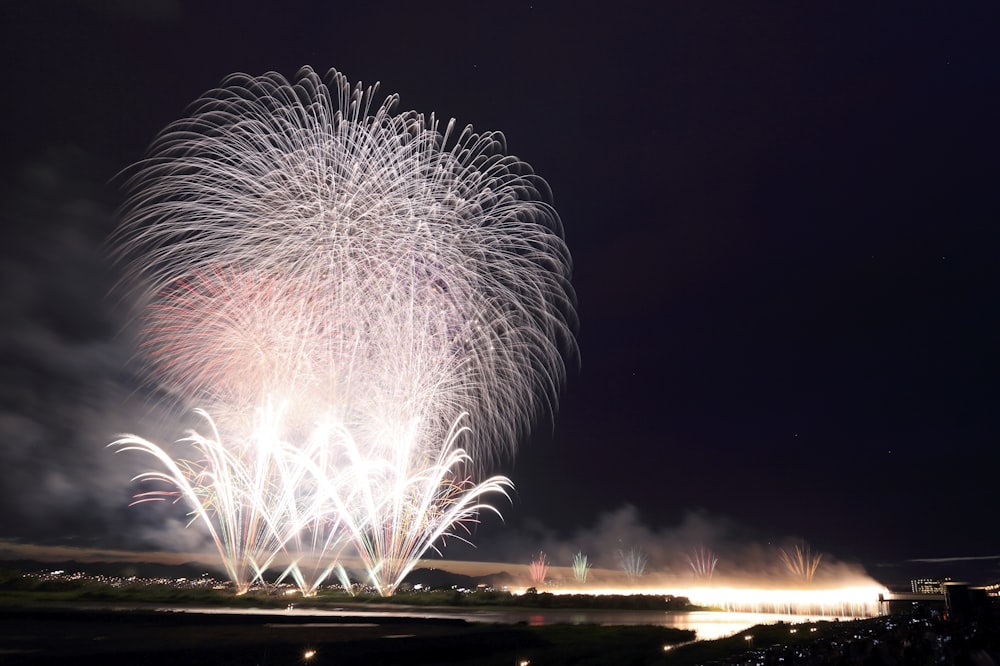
(707, 625)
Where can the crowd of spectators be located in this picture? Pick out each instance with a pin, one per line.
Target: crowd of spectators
(922, 639)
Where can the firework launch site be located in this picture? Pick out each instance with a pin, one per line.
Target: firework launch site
(50, 617)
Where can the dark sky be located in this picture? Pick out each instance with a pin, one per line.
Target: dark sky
(783, 219)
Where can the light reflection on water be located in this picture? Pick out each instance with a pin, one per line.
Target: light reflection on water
(707, 625)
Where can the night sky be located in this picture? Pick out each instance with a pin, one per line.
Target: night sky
(783, 220)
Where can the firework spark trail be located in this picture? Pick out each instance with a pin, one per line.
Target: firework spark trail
(803, 563)
(323, 187)
(702, 562)
(407, 505)
(245, 493)
(313, 500)
(633, 562)
(393, 284)
(539, 569)
(580, 567)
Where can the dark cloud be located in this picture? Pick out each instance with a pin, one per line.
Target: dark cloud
(65, 355)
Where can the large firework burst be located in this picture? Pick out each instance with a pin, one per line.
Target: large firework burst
(302, 244)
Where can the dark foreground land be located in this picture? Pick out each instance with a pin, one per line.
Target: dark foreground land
(50, 635)
(89, 636)
(901, 640)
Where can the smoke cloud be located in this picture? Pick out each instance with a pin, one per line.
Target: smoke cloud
(67, 384)
(742, 553)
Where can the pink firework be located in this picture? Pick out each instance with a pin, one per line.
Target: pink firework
(702, 562)
(539, 569)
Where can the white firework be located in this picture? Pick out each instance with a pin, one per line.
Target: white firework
(301, 242)
(313, 182)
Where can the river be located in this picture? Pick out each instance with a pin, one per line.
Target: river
(707, 625)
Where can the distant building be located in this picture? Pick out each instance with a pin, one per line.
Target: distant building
(928, 585)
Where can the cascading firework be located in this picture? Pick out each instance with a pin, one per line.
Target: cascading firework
(803, 563)
(702, 562)
(370, 309)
